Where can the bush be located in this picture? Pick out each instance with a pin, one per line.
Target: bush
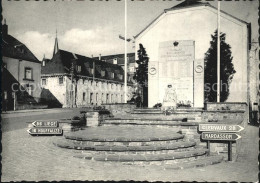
(158, 105)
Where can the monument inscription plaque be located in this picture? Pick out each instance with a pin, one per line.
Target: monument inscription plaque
(176, 62)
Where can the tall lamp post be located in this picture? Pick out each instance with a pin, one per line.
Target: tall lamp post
(125, 66)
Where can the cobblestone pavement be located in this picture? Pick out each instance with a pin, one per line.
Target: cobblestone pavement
(35, 158)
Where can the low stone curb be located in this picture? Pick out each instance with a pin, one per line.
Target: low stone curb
(121, 148)
(107, 122)
(210, 160)
(77, 137)
(146, 157)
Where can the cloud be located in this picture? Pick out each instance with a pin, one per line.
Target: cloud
(38, 43)
(101, 40)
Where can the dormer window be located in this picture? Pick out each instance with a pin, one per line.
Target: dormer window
(115, 61)
(120, 76)
(78, 68)
(43, 63)
(103, 73)
(91, 70)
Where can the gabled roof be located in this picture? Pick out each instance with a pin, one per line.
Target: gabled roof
(61, 63)
(120, 58)
(15, 49)
(188, 4)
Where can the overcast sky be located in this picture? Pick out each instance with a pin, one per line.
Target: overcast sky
(92, 27)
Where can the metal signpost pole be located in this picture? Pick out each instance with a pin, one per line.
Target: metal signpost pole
(125, 81)
(218, 55)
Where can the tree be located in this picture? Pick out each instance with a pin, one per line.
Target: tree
(141, 74)
(227, 70)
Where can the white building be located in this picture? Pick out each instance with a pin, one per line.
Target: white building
(95, 82)
(191, 24)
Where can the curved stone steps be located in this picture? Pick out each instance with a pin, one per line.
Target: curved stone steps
(148, 122)
(122, 148)
(125, 134)
(165, 157)
(208, 160)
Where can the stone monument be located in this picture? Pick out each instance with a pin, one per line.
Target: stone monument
(177, 65)
(170, 98)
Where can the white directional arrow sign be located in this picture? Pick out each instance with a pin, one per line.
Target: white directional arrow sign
(45, 131)
(45, 124)
(220, 136)
(220, 128)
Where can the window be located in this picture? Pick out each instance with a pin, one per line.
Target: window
(78, 68)
(115, 61)
(102, 73)
(28, 73)
(120, 76)
(43, 63)
(5, 95)
(102, 98)
(61, 80)
(91, 70)
(107, 99)
(84, 96)
(44, 82)
(30, 89)
(112, 75)
(91, 98)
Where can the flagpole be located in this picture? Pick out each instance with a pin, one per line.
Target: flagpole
(125, 78)
(218, 55)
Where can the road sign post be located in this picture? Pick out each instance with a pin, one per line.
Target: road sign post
(218, 136)
(45, 128)
(230, 151)
(220, 132)
(47, 124)
(45, 131)
(220, 128)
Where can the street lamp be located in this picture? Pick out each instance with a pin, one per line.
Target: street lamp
(125, 68)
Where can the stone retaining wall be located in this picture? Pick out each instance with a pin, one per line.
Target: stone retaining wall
(30, 106)
(233, 106)
(119, 108)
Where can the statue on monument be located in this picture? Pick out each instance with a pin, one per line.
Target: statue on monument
(170, 99)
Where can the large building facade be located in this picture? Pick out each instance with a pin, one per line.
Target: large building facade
(176, 43)
(119, 59)
(74, 80)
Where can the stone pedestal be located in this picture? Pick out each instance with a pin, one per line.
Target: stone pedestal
(93, 119)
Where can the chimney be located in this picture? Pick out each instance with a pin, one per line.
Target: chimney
(91, 56)
(99, 57)
(5, 28)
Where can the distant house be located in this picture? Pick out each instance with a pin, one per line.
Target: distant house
(119, 59)
(20, 71)
(76, 80)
